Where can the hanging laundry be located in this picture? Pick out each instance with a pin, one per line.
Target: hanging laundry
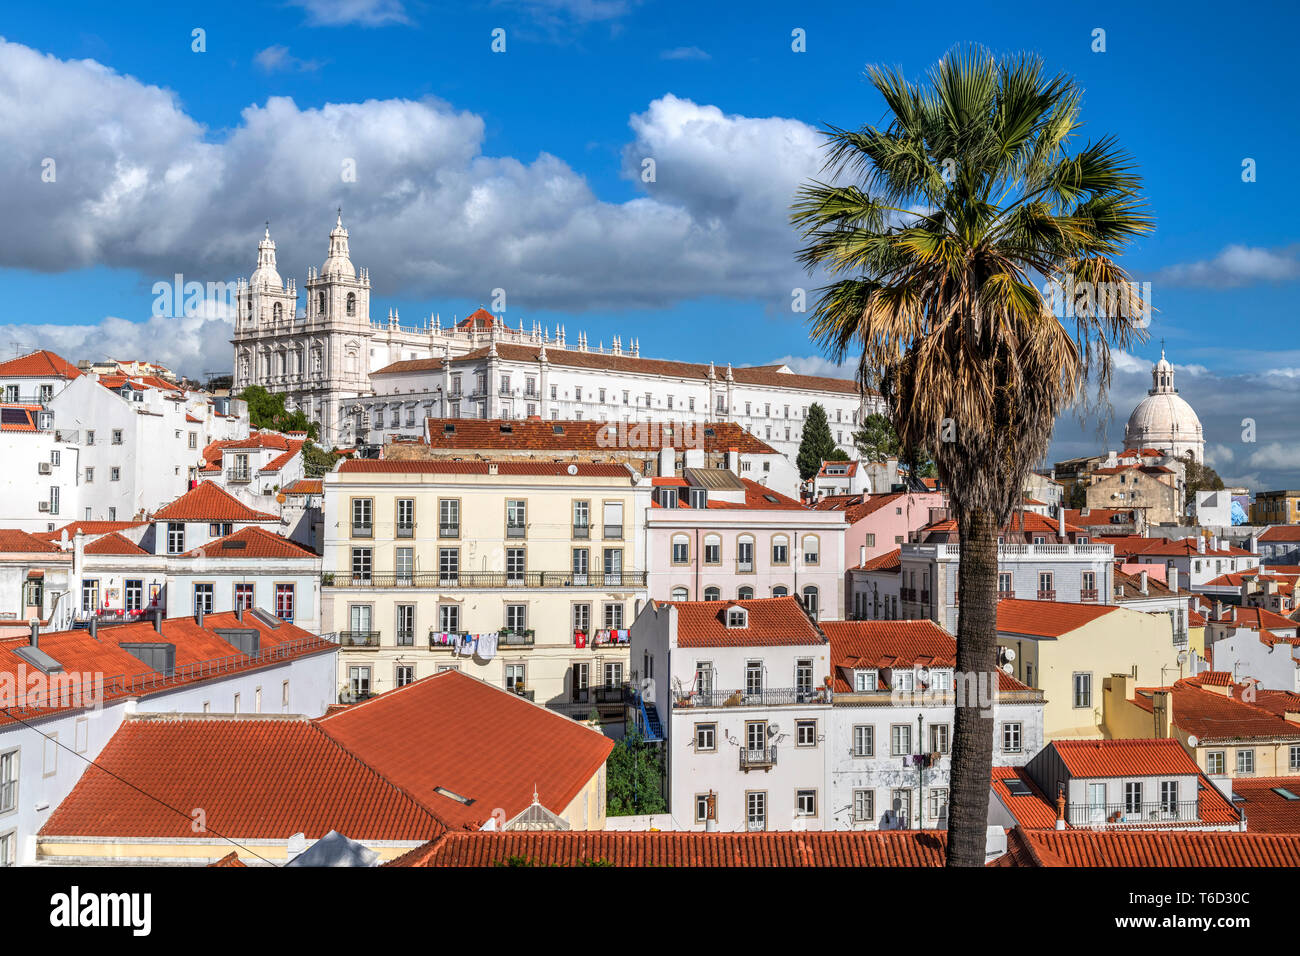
(469, 643)
(487, 646)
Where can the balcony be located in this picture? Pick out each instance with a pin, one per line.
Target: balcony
(764, 758)
(406, 531)
(614, 531)
(907, 594)
(516, 530)
(483, 579)
(744, 565)
(1088, 594)
(238, 475)
(1046, 595)
(771, 697)
(363, 530)
(525, 638)
(406, 638)
(448, 530)
(925, 597)
(582, 531)
(367, 640)
(1006, 595)
(1133, 814)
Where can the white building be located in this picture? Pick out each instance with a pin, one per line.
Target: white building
(743, 690)
(250, 665)
(366, 382)
(35, 582)
(39, 481)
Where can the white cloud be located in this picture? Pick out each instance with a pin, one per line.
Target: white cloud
(815, 365)
(1235, 265)
(366, 13)
(685, 53)
(278, 57)
(555, 12)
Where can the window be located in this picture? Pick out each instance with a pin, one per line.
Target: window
(1045, 591)
(90, 475)
(780, 591)
(753, 677)
(900, 740)
(864, 740)
(404, 565)
(1215, 762)
(448, 518)
(1082, 689)
(582, 617)
(613, 519)
(581, 519)
(117, 436)
(864, 805)
(8, 848)
(405, 615)
(938, 802)
(1011, 737)
(681, 549)
(1004, 583)
(737, 617)
(115, 474)
(449, 618)
(243, 596)
(363, 517)
(134, 594)
(706, 737)
(805, 803)
(1169, 796)
(704, 677)
(90, 437)
(805, 733)
(284, 602)
(8, 780)
(202, 598)
(901, 800)
(448, 565)
(780, 549)
(361, 564)
(515, 565)
(811, 549)
(405, 673)
(515, 518)
(514, 677)
(359, 681)
(218, 529)
(712, 549)
(702, 807)
(810, 600)
(1294, 762)
(613, 673)
(1133, 796)
(516, 618)
(745, 554)
(939, 734)
(1245, 761)
(756, 811)
(712, 594)
(614, 615)
(864, 681)
(90, 594)
(405, 517)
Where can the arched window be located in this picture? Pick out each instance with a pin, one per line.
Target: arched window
(681, 549)
(812, 549)
(320, 303)
(780, 549)
(277, 311)
(745, 594)
(712, 549)
(712, 594)
(780, 591)
(810, 600)
(680, 594)
(352, 303)
(745, 554)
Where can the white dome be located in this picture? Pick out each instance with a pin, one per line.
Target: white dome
(1163, 419)
(265, 274)
(337, 264)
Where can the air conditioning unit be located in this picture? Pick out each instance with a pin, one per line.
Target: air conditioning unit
(44, 467)
(43, 506)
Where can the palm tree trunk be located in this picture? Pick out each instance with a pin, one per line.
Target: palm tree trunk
(972, 755)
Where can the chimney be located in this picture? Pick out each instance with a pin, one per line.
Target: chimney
(1200, 545)
(1060, 524)
(36, 633)
(157, 619)
(94, 629)
(1142, 583)
(862, 554)
(733, 460)
(1252, 544)
(198, 615)
(1060, 810)
(667, 461)
(1173, 579)
(1218, 610)
(239, 612)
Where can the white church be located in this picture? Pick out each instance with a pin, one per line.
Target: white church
(365, 383)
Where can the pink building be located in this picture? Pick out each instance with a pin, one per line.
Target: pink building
(880, 523)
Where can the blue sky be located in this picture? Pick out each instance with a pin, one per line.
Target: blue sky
(478, 170)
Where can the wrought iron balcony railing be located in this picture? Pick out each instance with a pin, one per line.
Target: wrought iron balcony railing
(1133, 814)
(484, 579)
(354, 639)
(763, 758)
(769, 697)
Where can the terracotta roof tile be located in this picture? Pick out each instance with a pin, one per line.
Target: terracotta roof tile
(890, 561)
(13, 541)
(39, 364)
(1281, 532)
(114, 543)
(772, 622)
(453, 731)
(1124, 758)
(250, 542)
(1047, 618)
(208, 501)
(1032, 810)
(1268, 811)
(1213, 716)
(588, 436)
(89, 528)
(1151, 848)
(423, 466)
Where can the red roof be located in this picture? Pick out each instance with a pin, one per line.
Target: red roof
(13, 541)
(114, 543)
(869, 848)
(1124, 758)
(39, 364)
(518, 468)
(857, 507)
(890, 561)
(1268, 811)
(456, 732)
(89, 528)
(208, 501)
(844, 469)
(524, 435)
(772, 622)
(250, 542)
(1097, 516)
(757, 497)
(1149, 848)
(1033, 809)
(1187, 546)
(256, 779)
(1213, 716)
(1047, 618)
(1281, 532)
(18, 418)
(1026, 522)
(305, 486)
(1255, 619)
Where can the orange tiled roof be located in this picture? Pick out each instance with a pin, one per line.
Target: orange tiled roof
(230, 859)
(13, 541)
(250, 542)
(772, 622)
(18, 418)
(256, 779)
(1281, 532)
(114, 543)
(586, 436)
(1047, 618)
(1021, 522)
(1256, 619)
(304, 486)
(874, 848)
(208, 501)
(1268, 811)
(850, 469)
(889, 561)
(517, 468)
(1213, 716)
(1032, 810)
(1124, 758)
(1187, 546)
(1097, 516)
(456, 732)
(1149, 848)
(89, 527)
(39, 364)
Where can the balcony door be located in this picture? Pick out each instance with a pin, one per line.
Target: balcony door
(1096, 803)
(360, 618)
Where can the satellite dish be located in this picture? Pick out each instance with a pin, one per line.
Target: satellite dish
(1007, 668)
(573, 469)
(1192, 740)
(1008, 654)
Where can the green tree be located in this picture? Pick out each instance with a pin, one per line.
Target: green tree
(317, 461)
(634, 776)
(934, 229)
(1078, 497)
(266, 410)
(876, 440)
(1199, 478)
(817, 443)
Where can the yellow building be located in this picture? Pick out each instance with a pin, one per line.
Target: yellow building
(1225, 734)
(525, 574)
(1275, 507)
(1068, 650)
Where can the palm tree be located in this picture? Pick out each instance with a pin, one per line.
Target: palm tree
(934, 229)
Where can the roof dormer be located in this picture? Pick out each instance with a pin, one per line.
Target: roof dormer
(737, 616)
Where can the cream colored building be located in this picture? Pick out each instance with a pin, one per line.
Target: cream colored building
(544, 558)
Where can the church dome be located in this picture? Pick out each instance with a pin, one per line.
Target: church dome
(338, 265)
(265, 275)
(1163, 419)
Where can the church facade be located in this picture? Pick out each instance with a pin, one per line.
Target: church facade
(366, 382)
